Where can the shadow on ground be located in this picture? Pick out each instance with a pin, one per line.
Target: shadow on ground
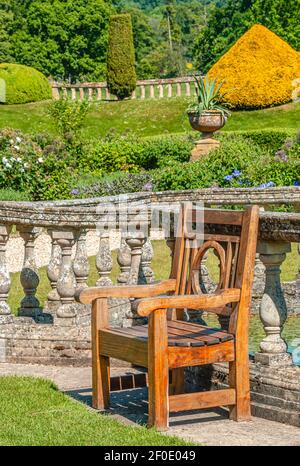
(131, 406)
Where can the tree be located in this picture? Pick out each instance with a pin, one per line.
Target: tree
(230, 20)
(121, 75)
(62, 38)
(6, 19)
(281, 16)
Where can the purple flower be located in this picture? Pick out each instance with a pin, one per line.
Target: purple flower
(148, 186)
(228, 177)
(296, 183)
(269, 184)
(236, 173)
(75, 192)
(281, 155)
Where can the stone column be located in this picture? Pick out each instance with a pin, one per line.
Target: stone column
(81, 262)
(298, 275)
(146, 274)
(5, 282)
(273, 310)
(66, 283)
(136, 243)
(53, 271)
(30, 306)
(124, 261)
(104, 262)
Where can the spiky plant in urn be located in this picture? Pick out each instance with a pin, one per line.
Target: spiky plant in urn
(207, 114)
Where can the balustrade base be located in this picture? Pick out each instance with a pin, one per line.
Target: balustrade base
(273, 360)
(275, 391)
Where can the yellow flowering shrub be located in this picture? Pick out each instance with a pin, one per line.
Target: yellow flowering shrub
(258, 70)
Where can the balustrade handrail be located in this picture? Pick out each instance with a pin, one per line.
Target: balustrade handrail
(141, 82)
(85, 213)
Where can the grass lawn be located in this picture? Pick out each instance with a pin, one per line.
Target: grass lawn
(145, 117)
(34, 413)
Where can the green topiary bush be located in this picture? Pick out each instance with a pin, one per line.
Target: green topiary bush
(23, 84)
(121, 76)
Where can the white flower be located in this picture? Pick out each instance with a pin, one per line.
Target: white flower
(25, 165)
(40, 160)
(18, 159)
(11, 141)
(4, 160)
(17, 147)
(18, 139)
(7, 165)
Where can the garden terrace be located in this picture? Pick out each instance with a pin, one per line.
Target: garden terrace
(60, 333)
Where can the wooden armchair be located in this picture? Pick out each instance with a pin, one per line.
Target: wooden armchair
(168, 343)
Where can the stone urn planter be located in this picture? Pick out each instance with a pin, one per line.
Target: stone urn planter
(207, 123)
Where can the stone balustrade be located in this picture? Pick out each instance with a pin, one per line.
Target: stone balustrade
(145, 89)
(59, 330)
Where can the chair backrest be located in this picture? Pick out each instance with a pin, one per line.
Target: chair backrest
(233, 237)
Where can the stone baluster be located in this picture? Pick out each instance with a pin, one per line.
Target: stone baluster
(66, 283)
(124, 261)
(55, 93)
(81, 262)
(73, 93)
(152, 93)
(133, 95)
(65, 93)
(81, 93)
(53, 271)
(146, 274)
(273, 310)
(90, 94)
(99, 93)
(178, 89)
(170, 90)
(298, 275)
(136, 243)
(143, 92)
(5, 282)
(104, 262)
(30, 306)
(161, 91)
(107, 93)
(187, 89)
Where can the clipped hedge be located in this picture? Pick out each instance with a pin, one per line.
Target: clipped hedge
(130, 154)
(258, 70)
(23, 84)
(121, 75)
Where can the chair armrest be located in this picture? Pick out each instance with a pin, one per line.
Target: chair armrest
(136, 291)
(205, 301)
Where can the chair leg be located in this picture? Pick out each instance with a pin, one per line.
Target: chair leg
(101, 383)
(239, 380)
(158, 371)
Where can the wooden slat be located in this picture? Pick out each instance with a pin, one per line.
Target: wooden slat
(185, 357)
(202, 400)
(127, 348)
(202, 330)
(220, 217)
(192, 336)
